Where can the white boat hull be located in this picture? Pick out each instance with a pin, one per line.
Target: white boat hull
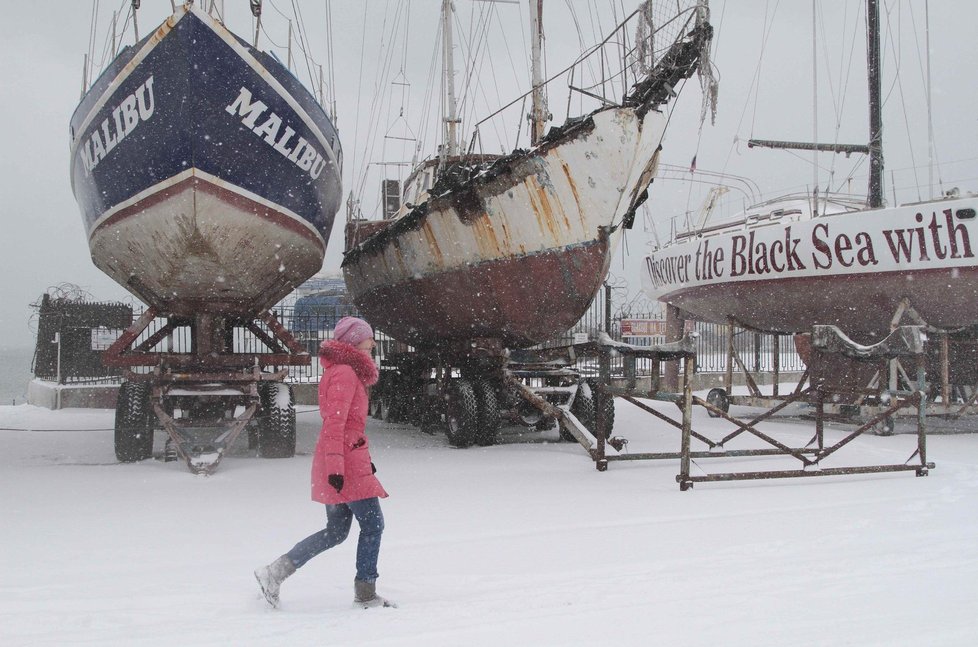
(200, 245)
(523, 226)
(856, 270)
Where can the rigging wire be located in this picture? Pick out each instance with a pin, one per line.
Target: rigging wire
(899, 85)
(756, 87)
(471, 45)
(389, 81)
(755, 82)
(109, 45)
(388, 48)
(924, 77)
(430, 86)
(331, 59)
(474, 84)
(303, 40)
(91, 44)
(844, 86)
(356, 127)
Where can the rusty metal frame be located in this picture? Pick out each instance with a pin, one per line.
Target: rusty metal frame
(285, 349)
(182, 437)
(202, 446)
(809, 455)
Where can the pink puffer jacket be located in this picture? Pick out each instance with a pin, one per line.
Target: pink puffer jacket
(343, 447)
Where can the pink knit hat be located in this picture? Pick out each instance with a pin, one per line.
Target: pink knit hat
(352, 331)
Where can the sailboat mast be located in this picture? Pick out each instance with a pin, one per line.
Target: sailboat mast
(875, 147)
(538, 112)
(875, 105)
(450, 146)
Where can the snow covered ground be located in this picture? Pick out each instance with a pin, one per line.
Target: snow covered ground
(519, 544)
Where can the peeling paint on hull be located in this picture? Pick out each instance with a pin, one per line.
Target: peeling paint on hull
(502, 299)
(518, 257)
(201, 247)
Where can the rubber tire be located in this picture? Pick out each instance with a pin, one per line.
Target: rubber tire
(133, 423)
(583, 410)
(489, 418)
(461, 414)
(276, 427)
(718, 398)
(528, 415)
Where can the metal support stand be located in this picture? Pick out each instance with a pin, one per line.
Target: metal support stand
(209, 383)
(905, 342)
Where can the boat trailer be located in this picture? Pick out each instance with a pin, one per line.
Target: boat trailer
(951, 372)
(468, 389)
(205, 396)
(906, 343)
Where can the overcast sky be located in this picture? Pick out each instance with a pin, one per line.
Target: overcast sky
(42, 45)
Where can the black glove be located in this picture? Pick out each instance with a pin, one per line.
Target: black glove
(373, 468)
(336, 480)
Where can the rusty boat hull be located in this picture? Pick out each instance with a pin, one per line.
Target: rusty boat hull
(861, 271)
(207, 176)
(517, 253)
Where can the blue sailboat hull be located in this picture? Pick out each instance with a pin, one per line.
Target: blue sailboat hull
(207, 176)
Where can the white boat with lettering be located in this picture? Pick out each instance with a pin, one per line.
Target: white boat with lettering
(801, 260)
(783, 267)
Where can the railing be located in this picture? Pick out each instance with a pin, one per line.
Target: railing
(310, 329)
(755, 350)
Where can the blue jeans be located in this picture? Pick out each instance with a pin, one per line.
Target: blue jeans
(339, 518)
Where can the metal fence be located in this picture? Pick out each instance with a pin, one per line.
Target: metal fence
(755, 350)
(311, 327)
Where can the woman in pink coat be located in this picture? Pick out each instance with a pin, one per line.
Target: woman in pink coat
(343, 476)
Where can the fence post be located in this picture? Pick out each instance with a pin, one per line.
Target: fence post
(777, 362)
(728, 373)
(675, 324)
(757, 352)
(607, 308)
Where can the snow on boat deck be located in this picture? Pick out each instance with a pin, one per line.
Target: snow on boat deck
(522, 543)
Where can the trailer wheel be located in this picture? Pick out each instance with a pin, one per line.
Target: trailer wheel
(489, 419)
(461, 414)
(133, 423)
(583, 409)
(717, 397)
(431, 422)
(528, 415)
(276, 426)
